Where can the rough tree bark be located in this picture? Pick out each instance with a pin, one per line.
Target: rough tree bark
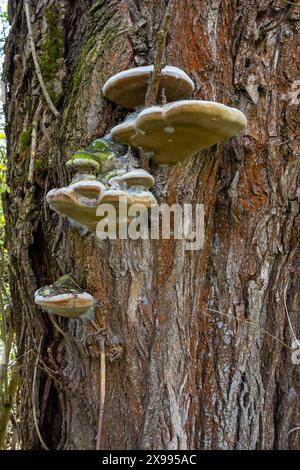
(178, 376)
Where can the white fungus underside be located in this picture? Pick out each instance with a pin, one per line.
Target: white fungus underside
(70, 301)
(129, 197)
(163, 110)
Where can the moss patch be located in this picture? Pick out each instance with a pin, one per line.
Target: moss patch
(52, 47)
(40, 164)
(25, 138)
(52, 51)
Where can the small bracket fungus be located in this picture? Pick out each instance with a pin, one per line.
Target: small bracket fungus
(113, 196)
(78, 202)
(129, 88)
(83, 162)
(179, 130)
(127, 190)
(66, 299)
(134, 179)
(100, 156)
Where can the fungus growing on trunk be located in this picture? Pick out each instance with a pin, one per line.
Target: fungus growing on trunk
(129, 88)
(133, 186)
(78, 202)
(66, 299)
(179, 130)
(82, 165)
(128, 190)
(113, 196)
(134, 179)
(100, 156)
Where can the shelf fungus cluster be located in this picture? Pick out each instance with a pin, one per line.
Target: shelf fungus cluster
(101, 160)
(66, 299)
(174, 131)
(102, 174)
(81, 201)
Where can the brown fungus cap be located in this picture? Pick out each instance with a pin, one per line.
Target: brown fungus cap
(78, 202)
(179, 130)
(128, 88)
(133, 178)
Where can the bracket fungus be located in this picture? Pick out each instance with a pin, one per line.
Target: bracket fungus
(131, 188)
(66, 299)
(129, 88)
(78, 202)
(115, 196)
(134, 179)
(100, 156)
(176, 131)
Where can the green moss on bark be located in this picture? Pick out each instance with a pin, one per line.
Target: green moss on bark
(52, 47)
(25, 138)
(52, 52)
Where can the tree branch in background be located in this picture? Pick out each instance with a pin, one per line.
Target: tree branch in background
(152, 92)
(9, 380)
(102, 392)
(5, 408)
(33, 396)
(36, 63)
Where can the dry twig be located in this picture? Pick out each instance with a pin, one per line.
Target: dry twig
(36, 62)
(102, 392)
(151, 95)
(293, 430)
(33, 395)
(57, 327)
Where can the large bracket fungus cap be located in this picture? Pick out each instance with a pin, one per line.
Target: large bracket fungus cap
(66, 299)
(78, 202)
(134, 178)
(128, 88)
(179, 130)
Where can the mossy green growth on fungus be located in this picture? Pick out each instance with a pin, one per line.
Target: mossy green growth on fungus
(98, 157)
(100, 151)
(107, 145)
(110, 174)
(25, 138)
(65, 284)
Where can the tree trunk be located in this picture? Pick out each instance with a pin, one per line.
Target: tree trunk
(179, 376)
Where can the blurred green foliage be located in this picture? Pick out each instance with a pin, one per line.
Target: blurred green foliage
(8, 366)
